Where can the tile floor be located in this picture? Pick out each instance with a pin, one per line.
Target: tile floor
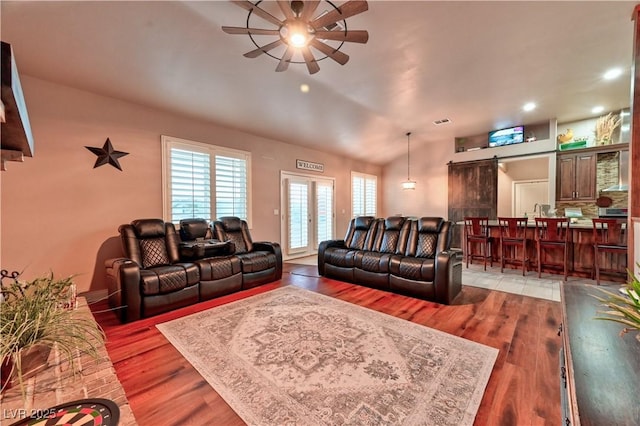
(511, 281)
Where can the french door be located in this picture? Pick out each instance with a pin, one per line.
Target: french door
(307, 213)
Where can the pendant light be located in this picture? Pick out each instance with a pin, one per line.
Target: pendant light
(408, 184)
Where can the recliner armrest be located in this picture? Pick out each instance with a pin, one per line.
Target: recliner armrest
(448, 275)
(123, 276)
(322, 247)
(274, 248)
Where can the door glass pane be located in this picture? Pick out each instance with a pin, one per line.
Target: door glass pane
(298, 215)
(324, 211)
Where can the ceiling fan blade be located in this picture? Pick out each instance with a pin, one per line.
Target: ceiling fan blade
(345, 11)
(284, 61)
(309, 8)
(247, 5)
(336, 55)
(285, 6)
(355, 36)
(254, 31)
(312, 64)
(264, 49)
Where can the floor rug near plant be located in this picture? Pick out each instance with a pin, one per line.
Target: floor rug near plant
(291, 356)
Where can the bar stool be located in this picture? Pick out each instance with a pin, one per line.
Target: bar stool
(513, 236)
(609, 236)
(552, 234)
(476, 233)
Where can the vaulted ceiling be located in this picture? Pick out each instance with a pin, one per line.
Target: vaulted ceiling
(475, 63)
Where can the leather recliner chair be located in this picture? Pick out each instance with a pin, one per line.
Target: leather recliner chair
(261, 261)
(150, 279)
(372, 266)
(429, 268)
(336, 258)
(403, 255)
(220, 272)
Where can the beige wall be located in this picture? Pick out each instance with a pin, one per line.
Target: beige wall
(59, 214)
(429, 170)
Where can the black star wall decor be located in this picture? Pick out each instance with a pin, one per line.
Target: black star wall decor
(107, 154)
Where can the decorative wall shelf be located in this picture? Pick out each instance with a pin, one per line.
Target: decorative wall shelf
(16, 138)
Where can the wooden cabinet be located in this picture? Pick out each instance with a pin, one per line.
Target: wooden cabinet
(576, 177)
(599, 375)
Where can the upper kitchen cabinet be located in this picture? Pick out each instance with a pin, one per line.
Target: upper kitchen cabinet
(576, 176)
(16, 137)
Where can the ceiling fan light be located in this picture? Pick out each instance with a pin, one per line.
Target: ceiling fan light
(296, 33)
(298, 39)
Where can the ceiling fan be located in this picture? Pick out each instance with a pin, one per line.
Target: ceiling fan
(302, 29)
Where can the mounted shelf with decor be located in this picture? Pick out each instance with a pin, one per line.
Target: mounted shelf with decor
(536, 138)
(606, 130)
(16, 137)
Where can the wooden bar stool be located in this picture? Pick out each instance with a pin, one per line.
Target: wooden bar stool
(609, 236)
(553, 234)
(476, 234)
(513, 239)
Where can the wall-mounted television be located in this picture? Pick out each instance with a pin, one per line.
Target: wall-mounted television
(508, 136)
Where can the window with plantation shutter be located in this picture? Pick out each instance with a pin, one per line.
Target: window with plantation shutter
(190, 184)
(364, 190)
(204, 181)
(231, 186)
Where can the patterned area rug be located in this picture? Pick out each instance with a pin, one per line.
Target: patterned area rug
(293, 357)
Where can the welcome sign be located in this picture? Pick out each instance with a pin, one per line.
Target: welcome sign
(308, 165)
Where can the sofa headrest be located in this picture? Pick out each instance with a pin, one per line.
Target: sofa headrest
(231, 223)
(394, 223)
(148, 228)
(192, 229)
(363, 222)
(430, 224)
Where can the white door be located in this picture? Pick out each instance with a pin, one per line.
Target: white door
(308, 213)
(526, 194)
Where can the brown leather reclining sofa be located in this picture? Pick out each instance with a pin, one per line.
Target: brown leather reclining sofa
(409, 256)
(162, 270)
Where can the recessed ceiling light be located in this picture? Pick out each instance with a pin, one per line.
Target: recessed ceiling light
(529, 106)
(597, 109)
(612, 73)
(304, 88)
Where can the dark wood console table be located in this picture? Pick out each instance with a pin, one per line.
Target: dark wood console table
(600, 371)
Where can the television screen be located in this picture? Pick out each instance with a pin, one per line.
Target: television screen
(508, 136)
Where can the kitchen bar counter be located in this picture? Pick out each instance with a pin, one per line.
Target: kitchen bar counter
(580, 250)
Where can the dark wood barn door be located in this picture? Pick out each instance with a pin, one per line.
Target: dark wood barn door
(473, 191)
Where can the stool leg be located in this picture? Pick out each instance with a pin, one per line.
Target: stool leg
(467, 253)
(490, 245)
(539, 261)
(484, 253)
(597, 265)
(566, 256)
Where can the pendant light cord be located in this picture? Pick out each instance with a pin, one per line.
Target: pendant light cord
(408, 156)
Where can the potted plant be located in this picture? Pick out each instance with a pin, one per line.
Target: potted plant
(624, 308)
(36, 316)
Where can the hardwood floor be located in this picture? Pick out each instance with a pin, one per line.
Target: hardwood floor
(163, 388)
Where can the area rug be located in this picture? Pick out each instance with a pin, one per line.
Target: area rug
(293, 357)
